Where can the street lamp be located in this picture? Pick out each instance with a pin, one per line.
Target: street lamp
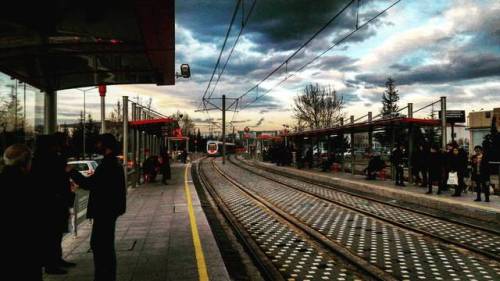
(84, 118)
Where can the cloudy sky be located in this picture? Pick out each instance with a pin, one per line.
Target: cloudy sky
(431, 48)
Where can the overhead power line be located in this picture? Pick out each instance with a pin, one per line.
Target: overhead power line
(285, 62)
(243, 25)
(235, 12)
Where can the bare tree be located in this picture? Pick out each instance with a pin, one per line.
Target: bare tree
(318, 107)
(116, 114)
(186, 123)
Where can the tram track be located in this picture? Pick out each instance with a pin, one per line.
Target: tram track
(280, 248)
(479, 240)
(403, 252)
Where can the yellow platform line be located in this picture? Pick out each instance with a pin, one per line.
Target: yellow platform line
(200, 258)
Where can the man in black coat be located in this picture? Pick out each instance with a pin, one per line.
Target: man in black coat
(21, 244)
(436, 163)
(107, 201)
(397, 159)
(48, 171)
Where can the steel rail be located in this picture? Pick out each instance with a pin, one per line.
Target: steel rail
(316, 236)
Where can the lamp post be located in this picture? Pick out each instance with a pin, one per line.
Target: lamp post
(84, 118)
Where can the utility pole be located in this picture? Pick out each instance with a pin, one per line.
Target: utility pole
(223, 129)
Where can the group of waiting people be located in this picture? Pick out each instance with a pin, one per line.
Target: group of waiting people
(39, 187)
(431, 165)
(153, 165)
(280, 154)
(437, 165)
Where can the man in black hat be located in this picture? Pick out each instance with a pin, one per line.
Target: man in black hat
(107, 201)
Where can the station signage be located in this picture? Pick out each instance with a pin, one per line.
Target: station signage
(454, 116)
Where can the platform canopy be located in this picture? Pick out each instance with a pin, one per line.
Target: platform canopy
(61, 44)
(367, 126)
(158, 126)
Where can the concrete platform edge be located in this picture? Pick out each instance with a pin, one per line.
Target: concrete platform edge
(437, 203)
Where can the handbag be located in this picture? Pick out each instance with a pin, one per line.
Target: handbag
(452, 178)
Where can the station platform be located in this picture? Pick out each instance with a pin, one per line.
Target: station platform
(462, 208)
(162, 236)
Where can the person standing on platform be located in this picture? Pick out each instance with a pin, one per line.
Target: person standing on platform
(435, 167)
(22, 244)
(48, 171)
(397, 159)
(458, 163)
(184, 156)
(107, 201)
(309, 158)
(481, 173)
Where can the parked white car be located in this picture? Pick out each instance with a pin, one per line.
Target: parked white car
(85, 167)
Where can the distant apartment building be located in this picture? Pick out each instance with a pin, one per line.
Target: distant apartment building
(480, 125)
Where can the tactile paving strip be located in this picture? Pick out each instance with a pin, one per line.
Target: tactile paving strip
(464, 235)
(404, 254)
(293, 256)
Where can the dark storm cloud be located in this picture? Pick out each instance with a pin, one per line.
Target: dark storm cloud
(400, 67)
(459, 68)
(348, 95)
(266, 102)
(341, 63)
(277, 24)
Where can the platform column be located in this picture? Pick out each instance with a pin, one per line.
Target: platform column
(133, 144)
(370, 132)
(352, 146)
(342, 149)
(50, 113)
(125, 137)
(410, 143)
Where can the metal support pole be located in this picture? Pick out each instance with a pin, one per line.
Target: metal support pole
(125, 137)
(352, 146)
(223, 129)
(133, 143)
(103, 114)
(84, 125)
(444, 141)
(50, 120)
(410, 144)
(342, 164)
(370, 132)
(139, 141)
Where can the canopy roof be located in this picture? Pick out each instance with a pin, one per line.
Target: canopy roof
(61, 44)
(158, 126)
(366, 126)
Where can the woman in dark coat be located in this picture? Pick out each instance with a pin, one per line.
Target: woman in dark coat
(457, 162)
(435, 169)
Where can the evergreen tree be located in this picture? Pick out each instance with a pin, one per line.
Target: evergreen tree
(390, 99)
(390, 107)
